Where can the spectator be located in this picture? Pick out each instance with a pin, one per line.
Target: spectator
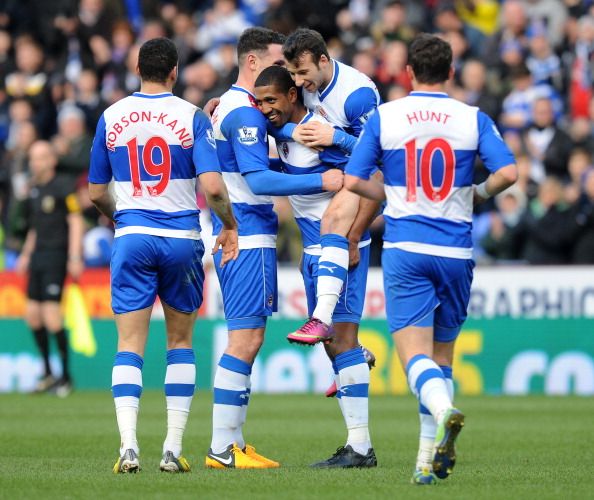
(392, 68)
(580, 162)
(474, 90)
(548, 145)
(583, 249)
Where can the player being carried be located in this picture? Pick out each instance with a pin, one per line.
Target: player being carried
(345, 97)
(277, 98)
(427, 143)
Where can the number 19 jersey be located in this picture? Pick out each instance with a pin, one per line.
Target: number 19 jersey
(427, 144)
(152, 146)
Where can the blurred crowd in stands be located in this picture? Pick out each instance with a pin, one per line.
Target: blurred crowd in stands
(529, 64)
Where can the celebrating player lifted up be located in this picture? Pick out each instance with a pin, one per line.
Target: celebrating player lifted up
(278, 100)
(152, 145)
(345, 98)
(428, 144)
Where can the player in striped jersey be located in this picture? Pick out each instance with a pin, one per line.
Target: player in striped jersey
(249, 284)
(151, 146)
(427, 143)
(345, 97)
(278, 100)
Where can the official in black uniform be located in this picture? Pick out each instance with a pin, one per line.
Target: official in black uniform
(52, 249)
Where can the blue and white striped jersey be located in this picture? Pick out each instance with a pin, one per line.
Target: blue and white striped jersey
(152, 146)
(242, 147)
(427, 144)
(347, 101)
(309, 209)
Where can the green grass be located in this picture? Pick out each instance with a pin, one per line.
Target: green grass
(533, 447)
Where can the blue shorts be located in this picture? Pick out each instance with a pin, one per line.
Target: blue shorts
(249, 287)
(425, 290)
(352, 297)
(144, 266)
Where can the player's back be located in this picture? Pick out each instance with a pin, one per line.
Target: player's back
(240, 133)
(348, 98)
(149, 143)
(429, 144)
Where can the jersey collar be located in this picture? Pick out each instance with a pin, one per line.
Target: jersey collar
(330, 86)
(306, 118)
(429, 94)
(241, 89)
(152, 96)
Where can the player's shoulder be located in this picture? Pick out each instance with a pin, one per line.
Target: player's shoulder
(314, 117)
(351, 79)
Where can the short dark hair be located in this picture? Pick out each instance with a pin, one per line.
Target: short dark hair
(302, 41)
(156, 59)
(257, 39)
(430, 58)
(277, 76)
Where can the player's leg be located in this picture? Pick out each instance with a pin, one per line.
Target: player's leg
(333, 267)
(34, 321)
(181, 280)
(54, 322)
(248, 285)
(52, 275)
(455, 278)
(133, 293)
(353, 372)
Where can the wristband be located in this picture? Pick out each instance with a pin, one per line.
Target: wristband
(481, 190)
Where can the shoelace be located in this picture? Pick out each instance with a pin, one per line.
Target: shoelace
(310, 325)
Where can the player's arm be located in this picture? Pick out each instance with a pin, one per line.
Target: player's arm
(247, 130)
(22, 263)
(498, 159)
(76, 230)
(362, 163)
(100, 173)
(368, 211)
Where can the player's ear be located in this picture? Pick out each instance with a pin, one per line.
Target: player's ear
(173, 74)
(410, 72)
(293, 95)
(451, 73)
(252, 62)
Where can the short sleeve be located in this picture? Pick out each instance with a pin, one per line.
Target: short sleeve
(492, 149)
(359, 106)
(367, 151)
(100, 168)
(204, 153)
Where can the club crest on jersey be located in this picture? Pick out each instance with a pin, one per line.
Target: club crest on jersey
(248, 135)
(285, 149)
(322, 111)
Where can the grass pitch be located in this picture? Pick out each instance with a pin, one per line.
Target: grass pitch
(511, 447)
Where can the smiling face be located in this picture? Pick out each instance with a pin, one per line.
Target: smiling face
(275, 105)
(308, 74)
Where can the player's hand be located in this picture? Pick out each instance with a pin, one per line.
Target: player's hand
(227, 241)
(210, 106)
(75, 268)
(301, 135)
(354, 255)
(332, 180)
(22, 264)
(317, 134)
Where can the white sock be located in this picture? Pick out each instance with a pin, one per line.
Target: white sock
(354, 395)
(243, 415)
(333, 267)
(126, 386)
(427, 382)
(426, 438)
(180, 380)
(230, 392)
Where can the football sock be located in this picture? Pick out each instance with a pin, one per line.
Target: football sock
(337, 380)
(180, 382)
(230, 393)
(332, 272)
(42, 340)
(62, 341)
(354, 395)
(429, 426)
(243, 414)
(427, 382)
(126, 385)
